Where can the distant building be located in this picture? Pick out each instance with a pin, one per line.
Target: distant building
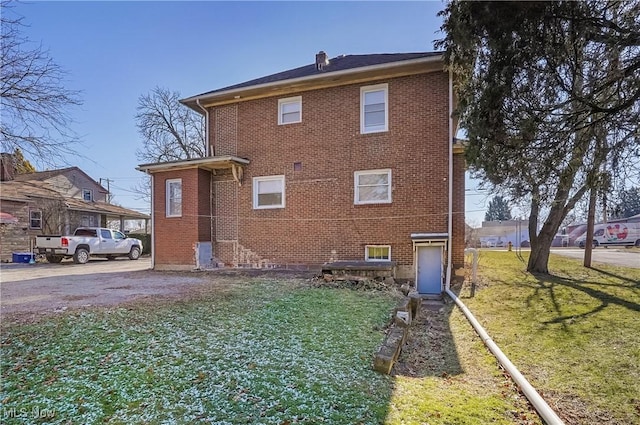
(500, 233)
(51, 202)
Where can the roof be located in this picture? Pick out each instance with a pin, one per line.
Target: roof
(207, 163)
(26, 191)
(46, 175)
(339, 65)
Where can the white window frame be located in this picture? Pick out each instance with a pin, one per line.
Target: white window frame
(31, 219)
(356, 187)
(379, 128)
(366, 252)
(289, 101)
(87, 191)
(257, 180)
(168, 211)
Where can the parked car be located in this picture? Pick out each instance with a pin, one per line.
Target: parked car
(613, 234)
(87, 242)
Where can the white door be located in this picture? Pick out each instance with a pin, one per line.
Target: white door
(429, 276)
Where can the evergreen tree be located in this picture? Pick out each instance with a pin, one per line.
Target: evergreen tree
(499, 210)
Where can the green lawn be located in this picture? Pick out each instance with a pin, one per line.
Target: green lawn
(575, 335)
(269, 352)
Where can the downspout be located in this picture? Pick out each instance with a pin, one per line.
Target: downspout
(450, 218)
(153, 226)
(206, 128)
(548, 415)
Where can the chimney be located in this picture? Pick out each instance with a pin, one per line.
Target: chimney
(7, 166)
(321, 60)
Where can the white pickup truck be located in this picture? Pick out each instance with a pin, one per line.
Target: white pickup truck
(87, 242)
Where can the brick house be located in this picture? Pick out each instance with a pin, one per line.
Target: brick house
(345, 159)
(51, 202)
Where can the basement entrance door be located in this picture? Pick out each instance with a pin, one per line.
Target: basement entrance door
(429, 273)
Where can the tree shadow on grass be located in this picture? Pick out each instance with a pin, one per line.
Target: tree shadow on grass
(550, 284)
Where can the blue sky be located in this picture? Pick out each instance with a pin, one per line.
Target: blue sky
(116, 51)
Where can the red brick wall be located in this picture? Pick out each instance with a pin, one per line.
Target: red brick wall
(320, 221)
(175, 237)
(320, 215)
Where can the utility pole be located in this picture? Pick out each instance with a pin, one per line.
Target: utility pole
(108, 188)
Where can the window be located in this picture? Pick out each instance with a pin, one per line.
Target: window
(35, 219)
(268, 192)
(87, 194)
(290, 110)
(174, 197)
(372, 187)
(118, 236)
(106, 234)
(377, 253)
(374, 108)
(87, 220)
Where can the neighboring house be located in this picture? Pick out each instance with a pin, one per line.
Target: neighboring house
(500, 233)
(51, 202)
(351, 158)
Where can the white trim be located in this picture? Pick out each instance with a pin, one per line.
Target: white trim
(289, 101)
(333, 75)
(167, 183)
(366, 252)
(369, 89)
(356, 191)
(35, 210)
(257, 180)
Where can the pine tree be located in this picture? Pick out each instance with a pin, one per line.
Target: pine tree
(499, 210)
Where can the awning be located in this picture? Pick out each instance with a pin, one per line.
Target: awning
(6, 218)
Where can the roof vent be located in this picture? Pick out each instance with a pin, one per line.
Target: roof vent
(321, 60)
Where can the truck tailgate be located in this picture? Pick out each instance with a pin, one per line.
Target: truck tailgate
(45, 241)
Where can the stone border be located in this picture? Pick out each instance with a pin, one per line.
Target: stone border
(403, 316)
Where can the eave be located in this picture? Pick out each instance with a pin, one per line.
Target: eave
(318, 81)
(210, 163)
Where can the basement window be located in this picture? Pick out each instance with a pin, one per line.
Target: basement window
(377, 253)
(290, 110)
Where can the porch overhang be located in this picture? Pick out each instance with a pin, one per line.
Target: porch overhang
(435, 239)
(210, 163)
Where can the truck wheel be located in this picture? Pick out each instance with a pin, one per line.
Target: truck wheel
(638, 243)
(134, 254)
(81, 256)
(54, 258)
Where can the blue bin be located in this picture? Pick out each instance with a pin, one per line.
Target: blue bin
(21, 257)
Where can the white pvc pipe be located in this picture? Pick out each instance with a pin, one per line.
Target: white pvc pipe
(541, 406)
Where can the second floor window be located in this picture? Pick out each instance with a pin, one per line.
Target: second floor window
(290, 110)
(35, 219)
(87, 194)
(174, 198)
(374, 108)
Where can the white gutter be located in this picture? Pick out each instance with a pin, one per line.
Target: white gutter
(333, 74)
(206, 128)
(548, 415)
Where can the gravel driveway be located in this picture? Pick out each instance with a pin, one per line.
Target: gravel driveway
(46, 288)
